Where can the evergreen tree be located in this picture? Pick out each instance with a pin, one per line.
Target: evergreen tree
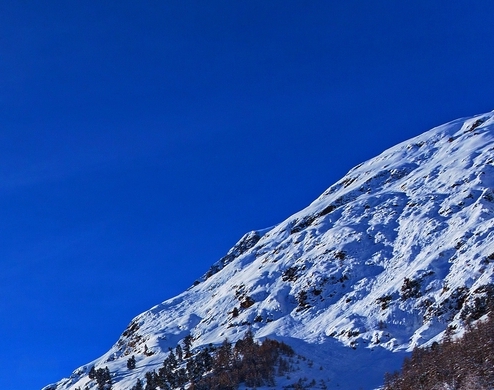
(151, 381)
(172, 360)
(179, 353)
(187, 346)
(131, 363)
(138, 385)
(181, 378)
(205, 360)
(104, 379)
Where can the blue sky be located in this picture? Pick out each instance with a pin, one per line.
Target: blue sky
(140, 140)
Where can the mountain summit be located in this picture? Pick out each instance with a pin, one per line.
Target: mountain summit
(386, 259)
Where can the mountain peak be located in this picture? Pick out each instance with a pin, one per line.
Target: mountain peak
(383, 261)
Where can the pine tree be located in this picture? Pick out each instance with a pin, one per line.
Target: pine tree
(131, 362)
(179, 353)
(187, 346)
(181, 378)
(172, 360)
(151, 381)
(103, 378)
(138, 385)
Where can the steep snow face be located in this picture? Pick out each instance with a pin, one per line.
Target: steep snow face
(384, 260)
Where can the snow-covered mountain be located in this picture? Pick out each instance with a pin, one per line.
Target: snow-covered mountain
(384, 260)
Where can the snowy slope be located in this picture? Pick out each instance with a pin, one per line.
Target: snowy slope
(384, 260)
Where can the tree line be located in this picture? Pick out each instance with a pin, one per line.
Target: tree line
(224, 367)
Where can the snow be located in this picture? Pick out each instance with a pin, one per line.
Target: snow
(422, 211)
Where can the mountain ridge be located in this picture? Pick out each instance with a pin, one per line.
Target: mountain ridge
(383, 261)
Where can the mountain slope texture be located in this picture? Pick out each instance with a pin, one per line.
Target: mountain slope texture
(386, 259)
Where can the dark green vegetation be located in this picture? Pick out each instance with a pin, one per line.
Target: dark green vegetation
(102, 377)
(223, 368)
(466, 363)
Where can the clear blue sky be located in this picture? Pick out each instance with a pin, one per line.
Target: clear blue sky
(140, 139)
